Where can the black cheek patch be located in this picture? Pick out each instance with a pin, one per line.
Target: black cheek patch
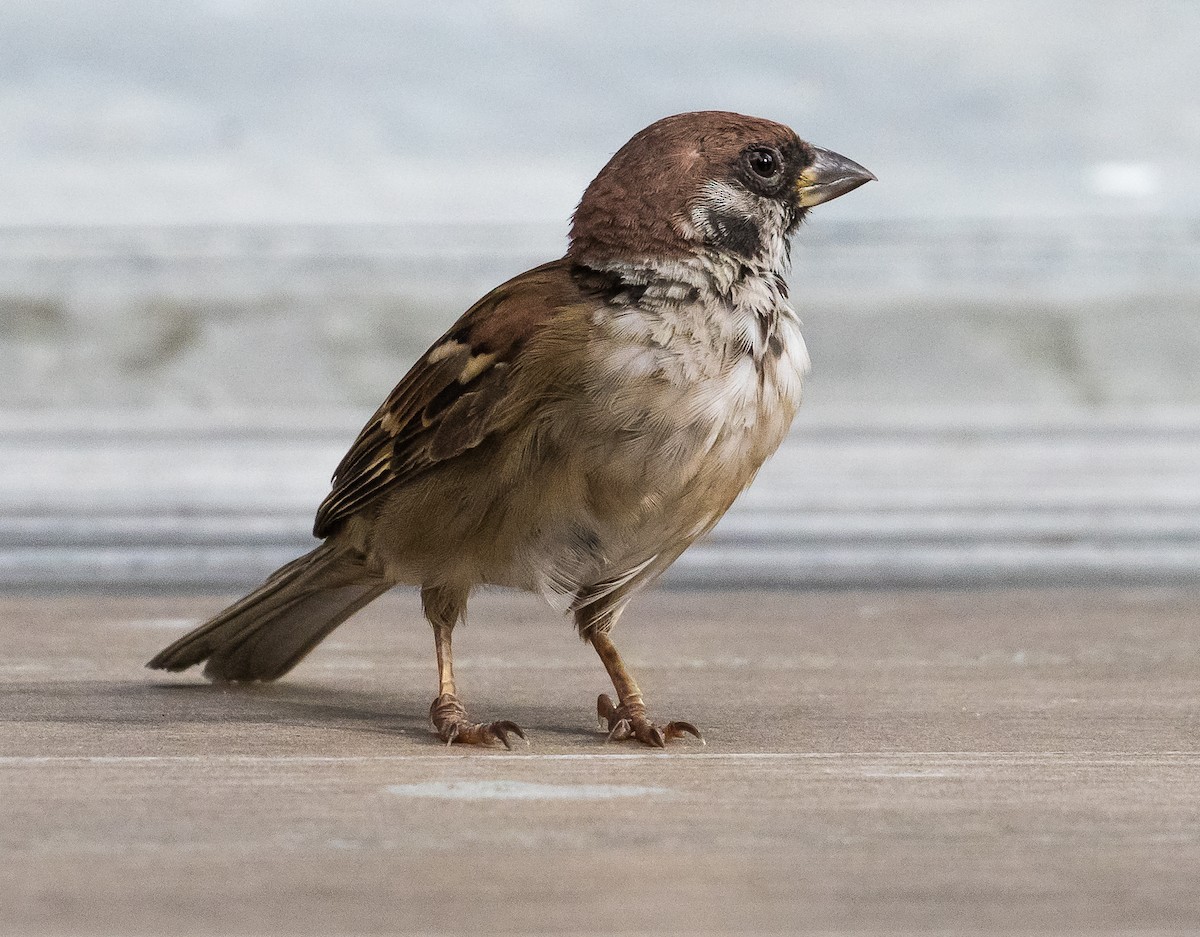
(736, 233)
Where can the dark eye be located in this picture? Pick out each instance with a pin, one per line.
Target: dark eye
(764, 162)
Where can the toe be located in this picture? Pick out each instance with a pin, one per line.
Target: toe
(606, 711)
(501, 731)
(677, 730)
(620, 731)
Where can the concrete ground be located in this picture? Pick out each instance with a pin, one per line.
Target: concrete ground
(881, 762)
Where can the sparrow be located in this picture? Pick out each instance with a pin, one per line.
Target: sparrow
(578, 427)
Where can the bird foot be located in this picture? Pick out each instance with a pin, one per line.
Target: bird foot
(628, 721)
(449, 718)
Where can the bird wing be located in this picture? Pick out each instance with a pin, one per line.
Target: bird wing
(454, 397)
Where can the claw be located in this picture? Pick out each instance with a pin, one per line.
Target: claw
(501, 729)
(626, 722)
(676, 730)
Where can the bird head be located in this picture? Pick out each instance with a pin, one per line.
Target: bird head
(710, 181)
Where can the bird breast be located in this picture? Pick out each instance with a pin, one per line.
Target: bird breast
(696, 387)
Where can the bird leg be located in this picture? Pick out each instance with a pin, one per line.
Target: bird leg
(628, 720)
(447, 713)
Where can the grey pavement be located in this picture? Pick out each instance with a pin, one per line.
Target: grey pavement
(877, 762)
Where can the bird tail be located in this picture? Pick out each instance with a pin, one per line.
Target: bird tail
(266, 634)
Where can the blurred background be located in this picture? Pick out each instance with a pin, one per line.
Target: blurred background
(228, 227)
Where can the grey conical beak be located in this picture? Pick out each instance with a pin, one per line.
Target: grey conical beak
(829, 176)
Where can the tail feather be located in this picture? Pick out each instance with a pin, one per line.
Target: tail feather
(265, 634)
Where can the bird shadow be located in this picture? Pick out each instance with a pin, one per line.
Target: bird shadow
(161, 705)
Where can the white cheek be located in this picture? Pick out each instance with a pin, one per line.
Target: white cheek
(719, 198)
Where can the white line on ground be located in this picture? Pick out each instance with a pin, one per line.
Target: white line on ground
(33, 760)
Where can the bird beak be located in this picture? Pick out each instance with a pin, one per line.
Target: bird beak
(829, 176)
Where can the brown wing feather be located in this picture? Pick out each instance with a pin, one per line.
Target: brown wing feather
(447, 404)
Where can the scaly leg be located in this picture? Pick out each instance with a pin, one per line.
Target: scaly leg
(447, 713)
(629, 720)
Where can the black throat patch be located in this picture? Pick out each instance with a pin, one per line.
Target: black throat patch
(734, 233)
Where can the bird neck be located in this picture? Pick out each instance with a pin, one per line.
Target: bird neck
(686, 278)
(742, 304)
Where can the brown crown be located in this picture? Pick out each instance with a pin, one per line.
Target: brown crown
(637, 206)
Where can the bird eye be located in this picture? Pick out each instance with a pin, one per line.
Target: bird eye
(764, 162)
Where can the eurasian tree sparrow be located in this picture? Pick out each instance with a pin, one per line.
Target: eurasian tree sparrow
(579, 427)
